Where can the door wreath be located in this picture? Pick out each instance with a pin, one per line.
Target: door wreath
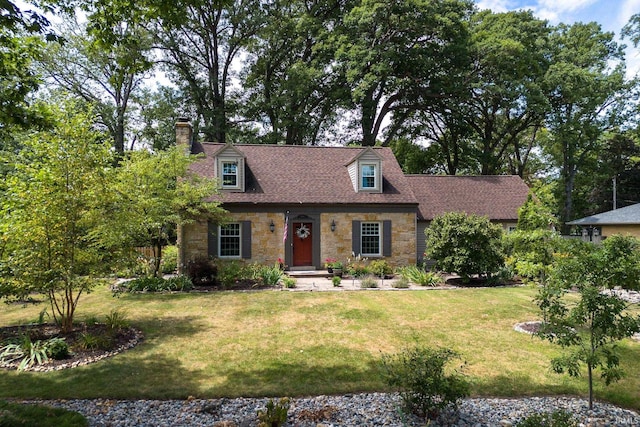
(303, 232)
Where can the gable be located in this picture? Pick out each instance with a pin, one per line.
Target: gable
(229, 168)
(365, 171)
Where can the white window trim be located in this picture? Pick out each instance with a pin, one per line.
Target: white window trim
(380, 244)
(237, 163)
(376, 176)
(239, 256)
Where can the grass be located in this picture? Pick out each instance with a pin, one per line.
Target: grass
(288, 343)
(13, 414)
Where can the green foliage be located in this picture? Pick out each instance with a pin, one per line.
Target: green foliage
(589, 328)
(89, 341)
(368, 281)
(420, 375)
(169, 262)
(620, 261)
(52, 217)
(530, 252)
(336, 280)
(159, 284)
(289, 282)
(28, 352)
(30, 415)
(229, 272)
(465, 244)
(202, 270)
(357, 267)
(57, 348)
(275, 413)
(116, 320)
(533, 215)
(417, 275)
(380, 268)
(270, 275)
(557, 418)
(401, 283)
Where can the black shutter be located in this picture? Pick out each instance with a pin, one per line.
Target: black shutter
(386, 238)
(246, 239)
(212, 240)
(355, 237)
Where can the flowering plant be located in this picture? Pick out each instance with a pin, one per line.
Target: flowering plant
(332, 263)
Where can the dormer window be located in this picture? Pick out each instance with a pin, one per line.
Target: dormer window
(368, 174)
(230, 165)
(229, 174)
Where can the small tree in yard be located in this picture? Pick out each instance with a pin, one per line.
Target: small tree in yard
(465, 244)
(590, 327)
(51, 213)
(155, 192)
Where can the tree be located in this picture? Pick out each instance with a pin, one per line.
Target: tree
(588, 96)
(293, 85)
(156, 192)
(51, 214)
(589, 328)
(401, 55)
(533, 215)
(465, 244)
(105, 73)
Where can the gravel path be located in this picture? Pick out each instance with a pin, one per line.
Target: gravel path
(372, 409)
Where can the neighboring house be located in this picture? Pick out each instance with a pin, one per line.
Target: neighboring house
(625, 221)
(304, 204)
(498, 197)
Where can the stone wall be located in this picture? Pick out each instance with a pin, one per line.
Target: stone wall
(193, 242)
(337, 244)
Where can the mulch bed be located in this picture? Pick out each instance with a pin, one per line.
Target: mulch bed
(119, 341)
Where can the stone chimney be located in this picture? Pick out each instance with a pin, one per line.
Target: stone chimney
(184, 134)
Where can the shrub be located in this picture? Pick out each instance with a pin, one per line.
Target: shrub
(336, 280)
(357, 267)
(229, 272)
(419, 376)
(557, 418)
(417, 275)
(620, 260)
(169, 262)
(465, 244)
(201, 271)
(368, 281)
(89, 341)
(530, 252)
(288, 282)
(28, 352)
(275, 414)
(57, 348)
(380, 268)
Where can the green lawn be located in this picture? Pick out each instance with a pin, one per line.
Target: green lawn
(291, 343)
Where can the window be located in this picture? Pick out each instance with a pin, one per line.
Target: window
(369, 176)
(229, 174)
(370, 238)
(229, 243)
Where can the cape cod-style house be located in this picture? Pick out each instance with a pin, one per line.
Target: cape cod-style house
(304, 204)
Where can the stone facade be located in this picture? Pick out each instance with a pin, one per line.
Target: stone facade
(193, 242)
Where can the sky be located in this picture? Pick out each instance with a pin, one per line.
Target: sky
(612, 15)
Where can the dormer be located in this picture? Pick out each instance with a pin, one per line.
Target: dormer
(230, 164)
(365, 171)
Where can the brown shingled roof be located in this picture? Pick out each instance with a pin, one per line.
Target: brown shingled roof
(496, 197)
(288, 174)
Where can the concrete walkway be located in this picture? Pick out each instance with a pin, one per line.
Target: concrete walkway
(315, 281)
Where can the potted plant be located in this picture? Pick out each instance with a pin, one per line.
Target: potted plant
(337, 268)
(328, 264)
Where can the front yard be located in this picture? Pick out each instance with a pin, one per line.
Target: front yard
(272, 343)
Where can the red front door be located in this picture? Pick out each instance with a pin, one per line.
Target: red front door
(302, 244)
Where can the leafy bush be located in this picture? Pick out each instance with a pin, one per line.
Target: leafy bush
(401, 283)
(169, 262)
(417, 275)
(89, 341)
(229, 272)
(550, 419)
(419, 376)
(380, 268)
(465, 244)
(275, 414)
(159, 284)
(57, 348)
(530, 252)
(289, 282)
(620, 260)
(336, 280)
(201, 271)
(357, 267)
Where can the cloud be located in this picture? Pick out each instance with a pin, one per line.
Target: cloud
(628, 9)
